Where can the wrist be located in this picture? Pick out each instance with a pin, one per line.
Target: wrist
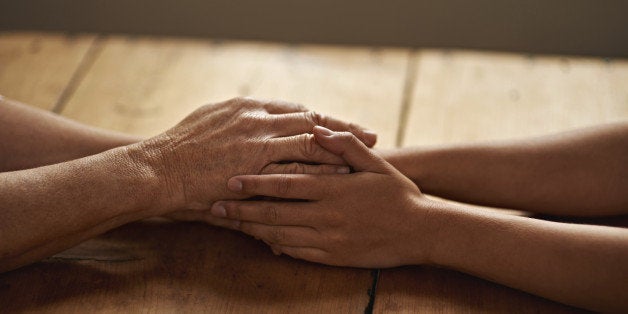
(145, 179)
(424, 223)
(411, 162)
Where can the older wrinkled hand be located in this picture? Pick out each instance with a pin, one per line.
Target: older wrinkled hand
(195, 158)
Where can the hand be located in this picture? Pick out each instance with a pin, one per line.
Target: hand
(371, 218)
(241, 136)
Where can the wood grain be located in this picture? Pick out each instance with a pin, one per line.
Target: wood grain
(144, 86)
(36, 68)
(463, 96)
(165, 267)
(424, 289)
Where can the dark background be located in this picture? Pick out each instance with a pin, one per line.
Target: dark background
(582, 27)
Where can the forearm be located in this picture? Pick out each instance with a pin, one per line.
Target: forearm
(576, 173)
(575, 264)
(30, 137)
(48, 209)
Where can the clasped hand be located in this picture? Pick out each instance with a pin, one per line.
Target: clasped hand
(363, 219)
(194, 159)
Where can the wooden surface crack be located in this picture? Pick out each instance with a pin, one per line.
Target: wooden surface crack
(406, 97)
(81, 71)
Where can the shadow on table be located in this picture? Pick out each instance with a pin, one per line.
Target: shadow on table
(177, 266)
(427, 289)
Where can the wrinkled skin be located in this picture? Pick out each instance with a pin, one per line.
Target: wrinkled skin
(195, 158)
(359, 219)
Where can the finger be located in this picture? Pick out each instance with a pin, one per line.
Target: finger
(269, 213)
(299, 168)
(311, 254)
(282, 107)
(291, 186)
(360, 157)
(302, 148)
(282, 235)
(220, 222)
(303, 122)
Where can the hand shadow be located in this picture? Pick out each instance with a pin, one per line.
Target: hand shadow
(163, 265)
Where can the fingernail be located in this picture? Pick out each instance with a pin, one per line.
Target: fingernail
(234, 185)
(370, 133)
(343, 170)
(371, 136)
(219, 210)
(323, 131)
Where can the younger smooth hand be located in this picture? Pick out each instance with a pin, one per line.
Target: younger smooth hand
(370, 218)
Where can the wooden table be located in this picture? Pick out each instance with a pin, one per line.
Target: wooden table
(411, 97)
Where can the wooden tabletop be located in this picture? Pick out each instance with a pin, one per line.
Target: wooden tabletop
(410, 97)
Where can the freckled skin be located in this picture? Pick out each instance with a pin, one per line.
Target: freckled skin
(62, 182)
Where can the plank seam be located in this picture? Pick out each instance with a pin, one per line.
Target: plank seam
(372, 291)
(81, 71)
(406, 96)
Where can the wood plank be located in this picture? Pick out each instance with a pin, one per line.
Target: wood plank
(145, 86)
(164, 267)
(464, 96)
(35, 68)
(471, 96)
(423, 289)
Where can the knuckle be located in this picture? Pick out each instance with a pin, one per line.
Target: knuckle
(348, 137)
(336, 239)
(274, 122)
(234, 212)
(356, 129)
(292, 168)
(309, 117)
(244, 102)
(271, 168)
(277, 235)
(265, 153)
(324, 169)
(241, 100)
(284, 185)
(322, 119)
(315, 118)
(299, 168)
(308, 146)
(272, 216)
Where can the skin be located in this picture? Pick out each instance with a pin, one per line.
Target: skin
(552, 175)
(377, 217)
(64, 182)
(53, 140)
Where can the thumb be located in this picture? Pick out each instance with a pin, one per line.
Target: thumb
(351, 149)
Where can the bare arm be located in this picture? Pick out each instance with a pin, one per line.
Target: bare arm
(31, 137)
(377, 218)
(51, 208)
(581, 265)
(47, 209)
(577, 173)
